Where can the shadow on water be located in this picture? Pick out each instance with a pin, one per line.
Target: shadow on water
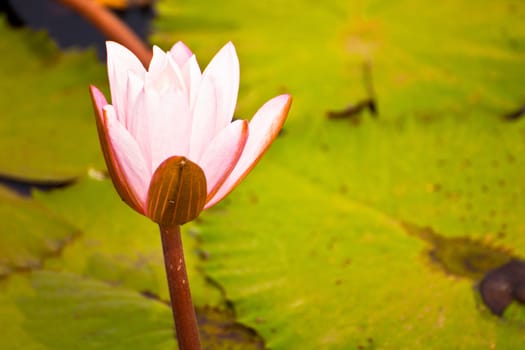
(24, 188)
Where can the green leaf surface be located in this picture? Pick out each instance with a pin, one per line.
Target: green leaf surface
(117, 244)
(65, 311)
(107, 289)
(370, 233)
(60, 310)
(29, 233)
(47, 119)
(353, 233)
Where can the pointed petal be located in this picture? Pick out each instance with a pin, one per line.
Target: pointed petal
(127, 156)
(135, 86)
(180, 53)
(139, 125)
(263, 129)
(115, 172)
(163, 73)
(158, 60)
(223, 71)
(204, 115)
(120, 62)
(222, 154)
(171, 124)
(99, 101)
(191, 72)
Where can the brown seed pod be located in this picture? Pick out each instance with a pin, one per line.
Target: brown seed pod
(177, 192)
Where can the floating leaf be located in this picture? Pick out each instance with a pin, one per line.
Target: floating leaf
(47, 121)
(343, 273)
(68, 311)
(118, 245)
(29, 233)
(57, 310)
(313, 249)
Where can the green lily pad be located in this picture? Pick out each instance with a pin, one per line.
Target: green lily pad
(313, 248)
(68, 311)
(29, 233)
(59, 310)
(342, 272)
(47, 118)
(117, 244)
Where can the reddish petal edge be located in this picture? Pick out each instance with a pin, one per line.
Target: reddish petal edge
(115, 172)
(235, 159)
(230, 183)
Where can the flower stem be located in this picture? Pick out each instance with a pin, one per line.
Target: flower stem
(111, 26)
(181, 304)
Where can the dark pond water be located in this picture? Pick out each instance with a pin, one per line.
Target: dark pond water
(68, 28)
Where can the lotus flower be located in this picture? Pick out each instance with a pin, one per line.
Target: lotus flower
(172, 111)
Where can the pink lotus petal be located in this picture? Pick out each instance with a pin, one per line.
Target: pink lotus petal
(121, 61)
(163, 72)
(263, 129)
(128, 155)
(139, 125)
(158, 61)
(223, 71)
(173, 110)
(135, 86)
(170, 124)
(222, 154)
(99, 101)
(191, 73)
(119, 181)
(180, 53)
(204, 115)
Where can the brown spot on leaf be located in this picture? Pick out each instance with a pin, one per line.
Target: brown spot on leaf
(461, 256)
(219, 329)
